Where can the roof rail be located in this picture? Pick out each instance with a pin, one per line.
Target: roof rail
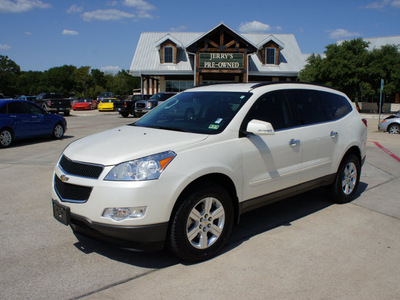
(257, 85)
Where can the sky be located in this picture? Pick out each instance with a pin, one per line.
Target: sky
(103, 34)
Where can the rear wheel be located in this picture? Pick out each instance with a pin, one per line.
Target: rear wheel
(201, 224)
(394, 128)
(6, 138)
(347, 179)
(124, 114)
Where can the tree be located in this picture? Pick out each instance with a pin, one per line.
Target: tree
(9, 72)
(353, 69)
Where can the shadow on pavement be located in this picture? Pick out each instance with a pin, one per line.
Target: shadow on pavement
(266, 218)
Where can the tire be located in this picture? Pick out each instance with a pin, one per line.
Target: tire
(394, 129)
(6, 138)
(124, 114)
(58, 131)
(202, 223)
(66, 113)
(344, 188)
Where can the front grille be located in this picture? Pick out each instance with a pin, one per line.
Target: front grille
(71, 192)
(80, 169)
(140, 105)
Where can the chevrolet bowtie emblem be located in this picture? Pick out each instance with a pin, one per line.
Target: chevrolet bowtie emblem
(64, 178)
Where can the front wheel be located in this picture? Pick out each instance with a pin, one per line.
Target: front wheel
(58, 131)
(6, 138)
(394, 129)
(347, 179)
(201, 224)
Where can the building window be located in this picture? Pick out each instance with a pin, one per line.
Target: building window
(177, 85)
(270, 56)
(168, 55)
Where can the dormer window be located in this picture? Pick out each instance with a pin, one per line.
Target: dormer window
(168, 54)
(270, 56)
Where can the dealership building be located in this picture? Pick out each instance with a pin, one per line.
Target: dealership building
(175, 61)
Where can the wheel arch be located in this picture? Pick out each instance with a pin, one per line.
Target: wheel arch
(221, 179)
(355, 150)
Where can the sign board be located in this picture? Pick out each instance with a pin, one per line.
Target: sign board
(221, 60)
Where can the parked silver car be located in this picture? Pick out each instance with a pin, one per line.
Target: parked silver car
(390, 124)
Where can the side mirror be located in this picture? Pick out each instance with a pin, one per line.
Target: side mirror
(258, 127)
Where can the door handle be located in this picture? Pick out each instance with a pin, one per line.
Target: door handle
(294, 142)
(333, 134)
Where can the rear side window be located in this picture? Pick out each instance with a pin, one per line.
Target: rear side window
(16, 108)
(337, 106)
(308, 106)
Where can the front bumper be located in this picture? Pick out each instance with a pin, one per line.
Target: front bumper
(143, 237)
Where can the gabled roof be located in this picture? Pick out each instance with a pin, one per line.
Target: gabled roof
(166, 38)
(146, 60)
(269, 39)
(220, 26)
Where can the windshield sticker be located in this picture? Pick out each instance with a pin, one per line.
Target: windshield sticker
(213, 126)
(219, 120)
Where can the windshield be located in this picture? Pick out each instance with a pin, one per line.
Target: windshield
(197, 112)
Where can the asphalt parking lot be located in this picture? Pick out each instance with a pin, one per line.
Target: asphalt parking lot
(300, 248)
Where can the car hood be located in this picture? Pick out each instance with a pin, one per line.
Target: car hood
(128, 142)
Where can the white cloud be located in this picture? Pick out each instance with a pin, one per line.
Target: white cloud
(19, 6)
(395, 3)
(178, 29)
(5, 47)
(75, 9)
(28, 33)
(106, 15)
(139, 4)
(254, 27)
(342, 34)
(111, 69)
(382, 4)
(70, 32)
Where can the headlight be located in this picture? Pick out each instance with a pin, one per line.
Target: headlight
(146, 168)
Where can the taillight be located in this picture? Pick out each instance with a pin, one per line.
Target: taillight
(365, 122)
(49, 103)
(125, 105)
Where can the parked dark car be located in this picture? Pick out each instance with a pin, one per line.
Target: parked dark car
(26, 98)
(127, 107)
(144, 106)
(21, 119)
(54, 102)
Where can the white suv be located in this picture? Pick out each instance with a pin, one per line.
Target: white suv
(183, 174)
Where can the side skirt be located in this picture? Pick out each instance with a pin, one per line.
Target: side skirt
(255, 203)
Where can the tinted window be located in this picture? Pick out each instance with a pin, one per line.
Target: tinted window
(272, 107)
(16, 108)
(309, 108)
(337, 106)
(3, 109)
(33, 109)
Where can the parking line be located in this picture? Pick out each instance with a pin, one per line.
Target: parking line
(387, 151)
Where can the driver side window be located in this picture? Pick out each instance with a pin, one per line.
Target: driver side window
(273, 108)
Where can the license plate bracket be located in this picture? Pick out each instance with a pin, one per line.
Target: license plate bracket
(61, 213)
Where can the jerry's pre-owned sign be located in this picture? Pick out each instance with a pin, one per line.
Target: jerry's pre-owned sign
(221, 60)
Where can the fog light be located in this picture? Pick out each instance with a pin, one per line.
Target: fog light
(122, 213)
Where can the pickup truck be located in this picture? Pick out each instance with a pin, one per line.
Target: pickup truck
(144, 106)
(54, 103)
(127, 107)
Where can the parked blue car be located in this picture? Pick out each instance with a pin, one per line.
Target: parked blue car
(21, 119)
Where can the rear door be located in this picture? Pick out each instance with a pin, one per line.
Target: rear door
(319, 134)
(19, 119)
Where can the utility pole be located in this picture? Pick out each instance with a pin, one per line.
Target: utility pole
(380, 101)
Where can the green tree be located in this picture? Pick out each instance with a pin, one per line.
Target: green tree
(9, 72)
